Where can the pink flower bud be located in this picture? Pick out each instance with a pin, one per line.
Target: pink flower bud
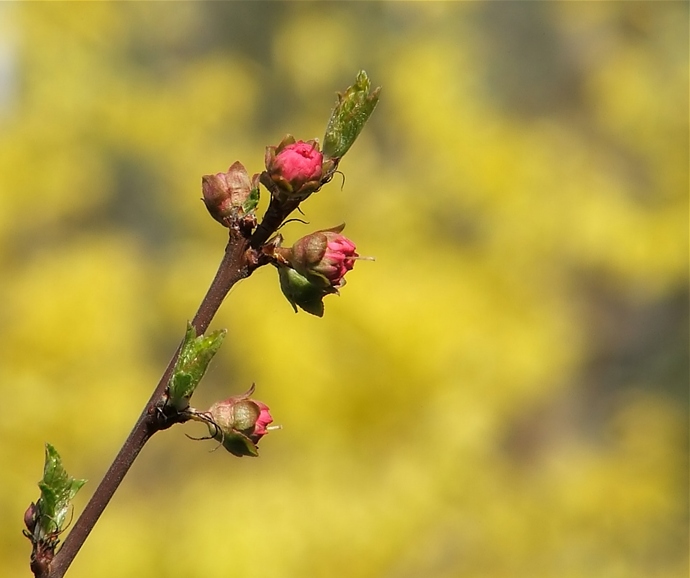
(229, 194)
(299, 163)
(324, 257)
(239, 423)
(295, 166)
(315, 266)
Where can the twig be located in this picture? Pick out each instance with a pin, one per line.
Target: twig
(234, 267)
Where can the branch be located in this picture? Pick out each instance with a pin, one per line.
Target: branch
(313, 268)
(234, 267)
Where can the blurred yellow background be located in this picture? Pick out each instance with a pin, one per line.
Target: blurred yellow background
(503, 393)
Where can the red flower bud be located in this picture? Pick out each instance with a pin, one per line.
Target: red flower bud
(229, 194)
(239, 423)
(299, 163)
(295, 166)
(324, 257)
(315, 266)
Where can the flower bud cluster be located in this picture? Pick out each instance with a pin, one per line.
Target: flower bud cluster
(315, 265)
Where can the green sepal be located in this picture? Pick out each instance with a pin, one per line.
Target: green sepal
(58, 489)
(300, 292)
(191, 365)
(252, 201)
(349, 116)
(240, 445)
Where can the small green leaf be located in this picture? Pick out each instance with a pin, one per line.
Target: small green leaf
(57, 492)
(252, 201)
(349, 116)
(191, 364)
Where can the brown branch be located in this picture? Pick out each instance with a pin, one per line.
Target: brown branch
(276, 213)
(234, 267)
(241, 258)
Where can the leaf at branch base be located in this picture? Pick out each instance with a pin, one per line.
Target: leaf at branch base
(58, 489)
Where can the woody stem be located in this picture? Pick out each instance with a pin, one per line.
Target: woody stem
(239, 261)
(233, 268)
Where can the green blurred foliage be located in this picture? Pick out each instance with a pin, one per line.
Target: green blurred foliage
(502, 394)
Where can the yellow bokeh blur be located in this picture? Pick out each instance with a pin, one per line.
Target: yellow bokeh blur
(501, 394)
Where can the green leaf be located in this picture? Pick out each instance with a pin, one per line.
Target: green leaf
(252, 201)
(349, 116)
(58, 489)
(191, 364)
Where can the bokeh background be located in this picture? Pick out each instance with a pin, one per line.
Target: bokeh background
(504, 393)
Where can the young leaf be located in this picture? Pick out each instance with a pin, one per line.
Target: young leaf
(191, 365)
(349, 116)
(58, 489)
(252, 201)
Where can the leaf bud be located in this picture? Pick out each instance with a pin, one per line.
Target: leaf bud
(31, 517)
(351, 113)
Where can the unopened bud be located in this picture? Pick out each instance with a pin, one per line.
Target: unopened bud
(231, 194)
(239, 423)
(324, 257)
(295, 167)
(315, 266)
(31, 517)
